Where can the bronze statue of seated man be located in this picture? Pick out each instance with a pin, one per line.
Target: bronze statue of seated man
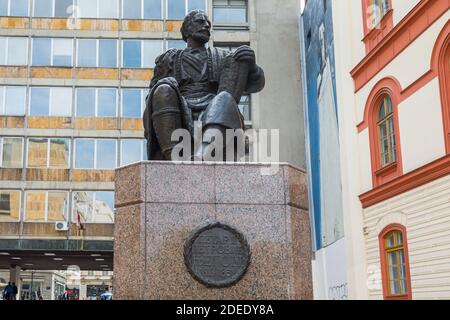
(198, 84)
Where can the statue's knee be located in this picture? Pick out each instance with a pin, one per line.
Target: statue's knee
(164, 91)
(164, 95)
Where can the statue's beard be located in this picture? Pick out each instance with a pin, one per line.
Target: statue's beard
(201, 36)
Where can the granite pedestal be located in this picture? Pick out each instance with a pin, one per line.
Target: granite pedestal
(159, 204)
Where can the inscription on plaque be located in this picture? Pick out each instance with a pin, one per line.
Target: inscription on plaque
(217, 255)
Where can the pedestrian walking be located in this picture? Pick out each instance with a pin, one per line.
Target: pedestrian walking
(8, 292)
(14, 291)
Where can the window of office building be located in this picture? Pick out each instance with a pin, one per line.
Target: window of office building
(141, 53)
(46, 206)
(43, 8)
(52, 52)
(142, 9)
(97, 53)
(12, 101)
(244, 107)
(230, 11)
(93, 206)
(48, 153)
(132, 103)
(132, 150)
(11, 149)
(176, 44)
(9, 206)
(95, 153)
(13, 51)
(104, 9)
(64, 8)
(96, 102)
(56, 102)
(56, 8)
(4, 8)
(177, 9)
(14, 8)
(230, 46)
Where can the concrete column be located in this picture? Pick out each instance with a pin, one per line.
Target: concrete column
(83, 292)
(14, 276)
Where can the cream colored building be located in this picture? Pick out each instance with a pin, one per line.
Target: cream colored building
(393, 91)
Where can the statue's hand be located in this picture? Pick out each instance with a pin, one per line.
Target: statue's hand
(246, 54)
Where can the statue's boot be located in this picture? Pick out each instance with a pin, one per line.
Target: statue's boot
(207, 148)
(166, 117)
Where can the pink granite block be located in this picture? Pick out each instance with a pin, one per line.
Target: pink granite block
(298, 232)
(129, 184)
(129, 241)
(296, 186)
(246, 184)
(168, 227)
(264, 227)
(179, 183)
(150, 237)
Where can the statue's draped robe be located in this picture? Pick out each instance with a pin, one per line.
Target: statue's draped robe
(194, 74)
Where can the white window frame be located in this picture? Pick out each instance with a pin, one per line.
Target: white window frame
(166, 43)
(7, 51)
(1, 151)
(66, 209)
(94, 198)
(47, 166)
(186, 8)
(8, 10)
(20, 199)
(121, 101)
(143, 141)
(95, 154)
(97, 51)
(50, 100)
(248, 122)
(232, 24)
(51, 52)
(122, 3)
(96, 101)
(3, 102)
(97, 11)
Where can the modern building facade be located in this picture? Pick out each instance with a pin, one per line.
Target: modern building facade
(35, 284)
(73, 78)
(392, 84)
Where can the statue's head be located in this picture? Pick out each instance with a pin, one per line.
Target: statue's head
(196, 25)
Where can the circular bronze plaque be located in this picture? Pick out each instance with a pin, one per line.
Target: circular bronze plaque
(217, 255)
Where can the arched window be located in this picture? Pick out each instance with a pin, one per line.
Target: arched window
(395, 258)
(447, 82)
(377, 22)
(394, 263)
(381, 116)
(381, 7)
(386, 134)
(444, 80)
